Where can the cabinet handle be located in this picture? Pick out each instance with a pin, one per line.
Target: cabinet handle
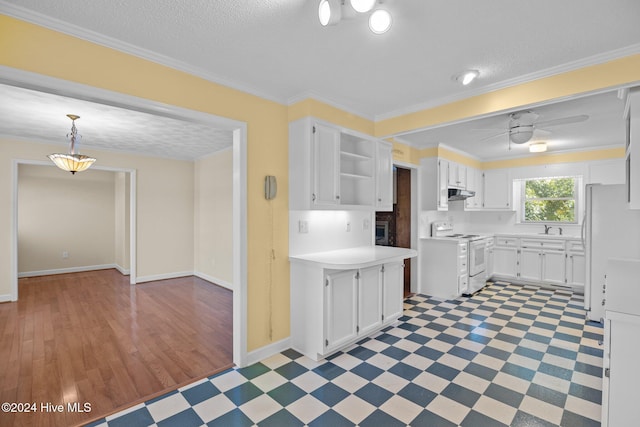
(379, 199)
(313, 197)
(337, 197)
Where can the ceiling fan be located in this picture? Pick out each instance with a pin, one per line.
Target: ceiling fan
(522, 124)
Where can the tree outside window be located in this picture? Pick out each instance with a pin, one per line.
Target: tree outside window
(550, 200)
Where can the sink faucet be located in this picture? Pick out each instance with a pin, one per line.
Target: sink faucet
(546, 229)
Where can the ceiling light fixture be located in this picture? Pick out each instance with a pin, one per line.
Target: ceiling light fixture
(466, 77)
(538, 147)
(362, 6)
(380, 21)
(72, 162)
(329, 12)
(520, 134)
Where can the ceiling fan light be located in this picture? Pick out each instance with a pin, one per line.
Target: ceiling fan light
(520, 134)
(362, 6)
(538, 147)
(380, 21)
(329, 12)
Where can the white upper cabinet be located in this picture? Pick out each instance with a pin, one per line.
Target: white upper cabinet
(384, 176)
(326, 186)
(474, 183)
(457, 175)
(497, 189)
(330, 168)
(632, 112)
(434, 174)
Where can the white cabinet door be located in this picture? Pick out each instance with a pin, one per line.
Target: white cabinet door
(443, 188)
(576, 269)
(393, 289)
(505, 261)
(496, 189)
(530, 264)
(553, 266)
(369, 299)
(341, 301)
(470, 203)
(462, 176)
(384, 177)
(326, 166)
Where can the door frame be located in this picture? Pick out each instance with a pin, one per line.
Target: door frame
(415, 214)
(42, 83)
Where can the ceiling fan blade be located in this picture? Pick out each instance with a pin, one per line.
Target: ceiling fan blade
(563, 121)
(545, 131)
(494, 136)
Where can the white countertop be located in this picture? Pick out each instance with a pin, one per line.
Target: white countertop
(538, 236)
(360, 257)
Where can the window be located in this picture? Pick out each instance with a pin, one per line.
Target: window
(552, 199)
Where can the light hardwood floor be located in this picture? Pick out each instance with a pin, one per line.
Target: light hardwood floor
(93, 338)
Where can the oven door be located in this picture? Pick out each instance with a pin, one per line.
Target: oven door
(477, 257)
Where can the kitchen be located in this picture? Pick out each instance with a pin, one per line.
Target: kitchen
(479, 221)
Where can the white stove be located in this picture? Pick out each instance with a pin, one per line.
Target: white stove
(454, 264)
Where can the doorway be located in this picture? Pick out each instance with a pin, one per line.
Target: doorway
(398, 222)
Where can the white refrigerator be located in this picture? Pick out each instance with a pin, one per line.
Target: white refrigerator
(609, 230)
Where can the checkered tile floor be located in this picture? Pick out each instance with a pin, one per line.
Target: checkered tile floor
(508, 356)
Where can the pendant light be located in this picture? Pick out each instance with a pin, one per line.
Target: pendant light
(72, 162)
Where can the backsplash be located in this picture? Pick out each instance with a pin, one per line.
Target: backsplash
(319, 231)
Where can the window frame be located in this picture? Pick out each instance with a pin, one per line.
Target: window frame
(576, 200)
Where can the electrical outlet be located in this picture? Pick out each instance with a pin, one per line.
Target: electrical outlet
(65, 254)
(303, 226)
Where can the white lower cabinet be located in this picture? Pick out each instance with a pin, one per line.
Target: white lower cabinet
(550, 261)
(331, 309)
(341, 301)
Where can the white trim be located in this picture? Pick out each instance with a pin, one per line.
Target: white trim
(100, 39)
(268, 350)
(6, 298)
(316, 97)
(239, 231)
(65, 270)
(214, 280)
(164, 276)
(122, 270)
(458, 151)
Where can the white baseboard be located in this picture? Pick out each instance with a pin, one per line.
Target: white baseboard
(214, 280)
(268, 351)
(6, 298)
(65, 270)
(122, 270)
(142, 279)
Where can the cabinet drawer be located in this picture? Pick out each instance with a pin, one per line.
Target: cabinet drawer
(462, 264)
(506, 242)
(543, 243)
(463, 282)
(462, 249)
(575, 246)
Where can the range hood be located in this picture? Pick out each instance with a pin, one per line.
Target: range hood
(458, 194)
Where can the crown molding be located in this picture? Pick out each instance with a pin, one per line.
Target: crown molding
(317, 97)
(54, 24)
(526, 78)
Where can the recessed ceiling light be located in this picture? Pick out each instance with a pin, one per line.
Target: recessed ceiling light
(329, 12)
(466, 77)
(537, 147)
(380, 21)
(363, 6)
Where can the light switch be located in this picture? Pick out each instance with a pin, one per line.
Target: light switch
(303, 226)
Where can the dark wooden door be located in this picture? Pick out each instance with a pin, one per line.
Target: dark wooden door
(402, 212)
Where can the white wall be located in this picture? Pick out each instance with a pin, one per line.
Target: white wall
(59, 212)
(213, 210)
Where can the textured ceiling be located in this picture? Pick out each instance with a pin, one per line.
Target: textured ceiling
(278, 50)
(40, 116)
